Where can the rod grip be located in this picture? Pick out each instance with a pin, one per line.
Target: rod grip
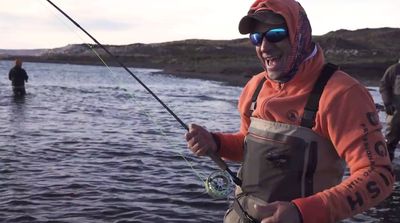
(218, 160)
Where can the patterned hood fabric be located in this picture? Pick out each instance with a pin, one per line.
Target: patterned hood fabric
(298, 25)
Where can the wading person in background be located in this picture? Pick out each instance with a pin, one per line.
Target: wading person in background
(390, 90)
(18, 77)
(302, 122)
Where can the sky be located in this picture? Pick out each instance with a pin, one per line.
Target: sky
(33, 24)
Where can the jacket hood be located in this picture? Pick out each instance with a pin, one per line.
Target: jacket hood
(298, 25)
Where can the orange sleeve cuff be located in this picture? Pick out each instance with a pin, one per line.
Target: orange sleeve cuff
(230, 145)
(312, 209)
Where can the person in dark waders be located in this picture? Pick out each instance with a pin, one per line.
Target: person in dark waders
(302, 121)
(18, 77)
(390, 91)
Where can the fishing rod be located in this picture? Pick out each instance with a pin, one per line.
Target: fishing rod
(217, 159)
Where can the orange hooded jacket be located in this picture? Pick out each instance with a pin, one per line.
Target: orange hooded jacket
(347, 117)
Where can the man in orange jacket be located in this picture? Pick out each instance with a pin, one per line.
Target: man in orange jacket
(302, 122)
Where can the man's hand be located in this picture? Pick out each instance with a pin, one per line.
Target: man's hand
(278, 211)
(390, 109)
(199, 140)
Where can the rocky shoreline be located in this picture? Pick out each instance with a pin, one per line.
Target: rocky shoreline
(363, 54)
(231, 80)
(238, 79)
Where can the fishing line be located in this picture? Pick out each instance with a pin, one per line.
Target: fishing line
(198, 174)
(217, 185)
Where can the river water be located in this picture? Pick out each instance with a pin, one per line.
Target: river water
(89, 145)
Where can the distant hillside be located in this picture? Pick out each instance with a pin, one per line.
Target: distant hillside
(364, 53)
(34, 52)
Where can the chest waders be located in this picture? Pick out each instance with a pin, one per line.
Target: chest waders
(283, 162)
(393, 121)
(396, 88)
(19, 90)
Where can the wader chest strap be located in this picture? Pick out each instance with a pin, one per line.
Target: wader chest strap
(312, 105)
(255, 96)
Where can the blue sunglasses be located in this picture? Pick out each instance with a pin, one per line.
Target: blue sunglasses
(273, 35)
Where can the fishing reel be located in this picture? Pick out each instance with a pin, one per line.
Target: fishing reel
(219, 184)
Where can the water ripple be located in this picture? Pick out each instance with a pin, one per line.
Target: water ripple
(88, 146)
